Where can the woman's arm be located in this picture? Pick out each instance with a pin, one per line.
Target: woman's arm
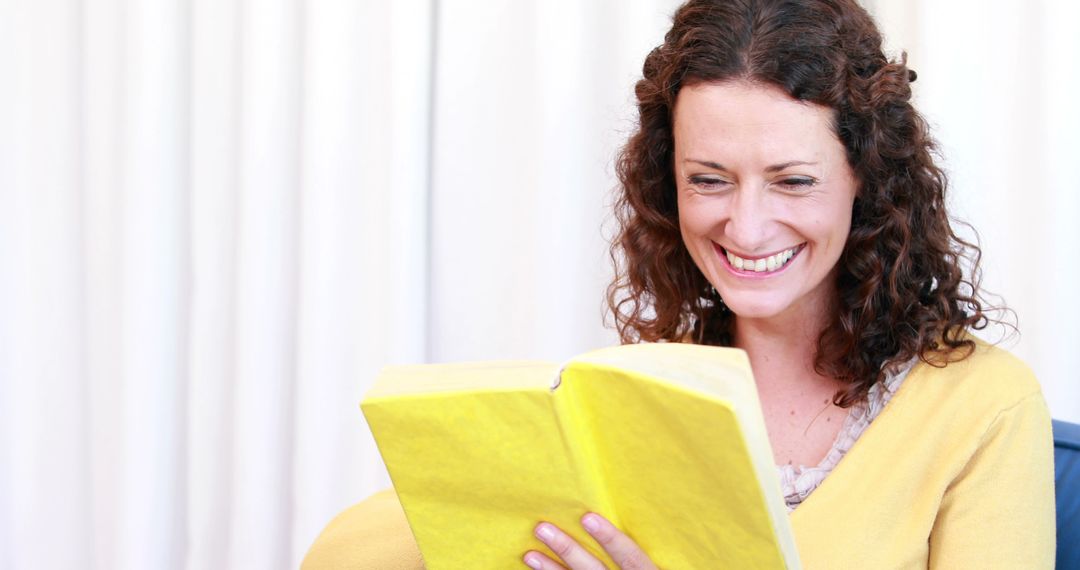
(999, 511)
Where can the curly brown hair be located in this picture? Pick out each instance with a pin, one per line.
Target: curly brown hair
(901, 290)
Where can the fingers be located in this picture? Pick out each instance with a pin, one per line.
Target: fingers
(565, 547)
(624, 551)
(540, 561)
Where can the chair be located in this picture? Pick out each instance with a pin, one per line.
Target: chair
(1067, 481)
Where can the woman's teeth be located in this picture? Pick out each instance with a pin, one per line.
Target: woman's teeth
(771, 263)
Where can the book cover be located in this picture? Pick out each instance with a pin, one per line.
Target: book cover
(665, 440)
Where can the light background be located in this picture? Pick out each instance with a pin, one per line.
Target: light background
(220, 218)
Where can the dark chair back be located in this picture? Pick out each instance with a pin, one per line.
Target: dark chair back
(1067, 481)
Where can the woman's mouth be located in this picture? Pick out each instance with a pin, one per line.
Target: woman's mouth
(760, 265)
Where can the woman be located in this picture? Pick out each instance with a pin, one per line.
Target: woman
(780, 196)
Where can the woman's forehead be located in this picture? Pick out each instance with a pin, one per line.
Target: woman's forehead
(747, 120)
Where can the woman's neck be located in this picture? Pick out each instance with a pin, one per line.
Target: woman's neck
(796, 401)
(782, 349)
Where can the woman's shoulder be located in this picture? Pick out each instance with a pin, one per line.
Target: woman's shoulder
(988, 391)
(988, 377)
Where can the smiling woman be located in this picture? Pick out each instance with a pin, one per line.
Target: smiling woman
(780, 195)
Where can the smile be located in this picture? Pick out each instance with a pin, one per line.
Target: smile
(762, 265)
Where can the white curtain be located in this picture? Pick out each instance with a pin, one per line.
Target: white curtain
(214, 234)
(219, 219)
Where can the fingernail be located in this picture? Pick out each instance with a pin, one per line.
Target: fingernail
(533, 561)
(545, 532)
(591, 522)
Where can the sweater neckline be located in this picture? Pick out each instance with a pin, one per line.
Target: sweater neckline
(797, 482)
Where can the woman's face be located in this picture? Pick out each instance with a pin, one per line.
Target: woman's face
(765, 195)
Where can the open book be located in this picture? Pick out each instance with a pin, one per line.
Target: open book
(665, 440)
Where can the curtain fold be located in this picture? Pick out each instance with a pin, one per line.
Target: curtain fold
(45, 455)
(214, 162)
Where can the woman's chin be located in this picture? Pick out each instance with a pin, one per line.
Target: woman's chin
(756, 308)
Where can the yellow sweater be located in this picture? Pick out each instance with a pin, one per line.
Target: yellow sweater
(956, 472)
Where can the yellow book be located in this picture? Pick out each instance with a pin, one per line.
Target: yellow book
(665, 440)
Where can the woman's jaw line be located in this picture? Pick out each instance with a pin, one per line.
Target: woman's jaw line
(761, 266)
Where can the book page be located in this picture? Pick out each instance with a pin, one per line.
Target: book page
(678, 471)
(476, 468)
(689, 413)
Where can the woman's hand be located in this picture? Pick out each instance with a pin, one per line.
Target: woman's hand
(619, 547)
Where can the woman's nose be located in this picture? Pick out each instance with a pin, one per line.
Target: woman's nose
(748, 221)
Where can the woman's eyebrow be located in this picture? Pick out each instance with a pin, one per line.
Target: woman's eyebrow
(773, 168)
(707, 163)
(783, 165)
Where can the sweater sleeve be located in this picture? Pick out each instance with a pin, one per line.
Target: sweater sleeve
(373, 534)
(999, 510)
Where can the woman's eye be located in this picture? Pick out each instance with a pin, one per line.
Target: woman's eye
(798, 183)
(708, 183)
